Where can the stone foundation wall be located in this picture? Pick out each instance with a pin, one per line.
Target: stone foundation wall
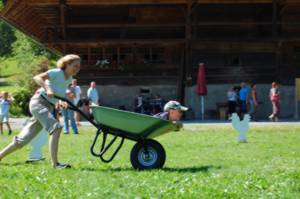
(116, 96)
(218, 94)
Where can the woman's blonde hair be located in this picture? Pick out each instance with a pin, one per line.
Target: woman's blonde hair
(66, 60)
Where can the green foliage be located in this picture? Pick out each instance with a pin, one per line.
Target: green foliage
(7, 38)
(20, 105)
(202, 162)
(25, 50)
(25, 81)
(8, 67)
(23, 59)
(1, 5)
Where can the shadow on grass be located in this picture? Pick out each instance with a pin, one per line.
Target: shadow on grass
(39, 162)
(204, 169)
(5, 84)
(12, 164)
(7, 76)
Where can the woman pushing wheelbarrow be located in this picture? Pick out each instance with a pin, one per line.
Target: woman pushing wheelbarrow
(146, 153)
(54, 82)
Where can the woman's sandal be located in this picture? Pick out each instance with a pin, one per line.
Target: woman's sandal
(62, 166)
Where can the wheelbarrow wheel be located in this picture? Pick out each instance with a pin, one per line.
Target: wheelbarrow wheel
(147, 154)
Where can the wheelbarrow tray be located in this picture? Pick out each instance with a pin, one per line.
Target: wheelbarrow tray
(132, 124)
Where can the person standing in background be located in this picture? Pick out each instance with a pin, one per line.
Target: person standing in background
(275, 100)
(253, 104)
(68, 114)
(244, 96)
(232, 101)
(92, 94)
(138, 104)
(5, 102)
(77, 97)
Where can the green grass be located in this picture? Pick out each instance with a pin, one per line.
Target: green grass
(8, 71)
(9, 88)
(202, 162)
(9, 67)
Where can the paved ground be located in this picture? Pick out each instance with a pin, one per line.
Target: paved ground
(19, 122)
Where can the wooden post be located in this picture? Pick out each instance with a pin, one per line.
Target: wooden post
(118, 56)
(181, 77)
(185, 66)
(297, 84)
(150, 53)
(103, 53)
(278, 59)
(274, 19)
(89, 56)
(64, 46)
(62, 14)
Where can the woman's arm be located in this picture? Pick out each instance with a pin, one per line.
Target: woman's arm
(40, 80)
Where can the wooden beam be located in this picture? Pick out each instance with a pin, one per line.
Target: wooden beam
(121, 41)
(253, 39)
(166, 42)
(264, 23)
(20, 10)
(142, 2)
(89, 56)
(30, 34)
(8, 7)
(124, 25)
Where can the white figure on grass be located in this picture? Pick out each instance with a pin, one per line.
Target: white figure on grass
(241, 126)
(37, 145)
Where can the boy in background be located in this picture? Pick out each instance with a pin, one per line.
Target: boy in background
(4, 111)
(173, 111)
(92, 94)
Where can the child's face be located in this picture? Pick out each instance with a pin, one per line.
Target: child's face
(5, 95)
(175, 115)
(73, 68)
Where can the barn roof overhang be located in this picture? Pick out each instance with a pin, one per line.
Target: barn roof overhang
(57, 23)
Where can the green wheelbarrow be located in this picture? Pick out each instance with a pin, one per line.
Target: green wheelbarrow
(146, 153)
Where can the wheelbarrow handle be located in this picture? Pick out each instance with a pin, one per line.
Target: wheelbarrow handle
(75, 108)
(71, 105)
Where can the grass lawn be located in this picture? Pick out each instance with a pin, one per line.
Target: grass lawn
(8, 71)
(9, 88)
(9, 67)
(202, 162)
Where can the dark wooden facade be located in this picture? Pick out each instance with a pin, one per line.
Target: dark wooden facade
(162, 41)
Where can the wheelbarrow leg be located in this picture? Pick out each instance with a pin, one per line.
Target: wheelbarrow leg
(104, 148)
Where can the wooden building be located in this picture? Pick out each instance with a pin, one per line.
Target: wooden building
(132, 42)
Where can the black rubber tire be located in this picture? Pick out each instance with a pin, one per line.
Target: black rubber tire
(155, 158)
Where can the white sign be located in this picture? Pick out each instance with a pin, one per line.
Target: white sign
(241, 126)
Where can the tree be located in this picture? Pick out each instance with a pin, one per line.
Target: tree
(25, 49)
(7, 38)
